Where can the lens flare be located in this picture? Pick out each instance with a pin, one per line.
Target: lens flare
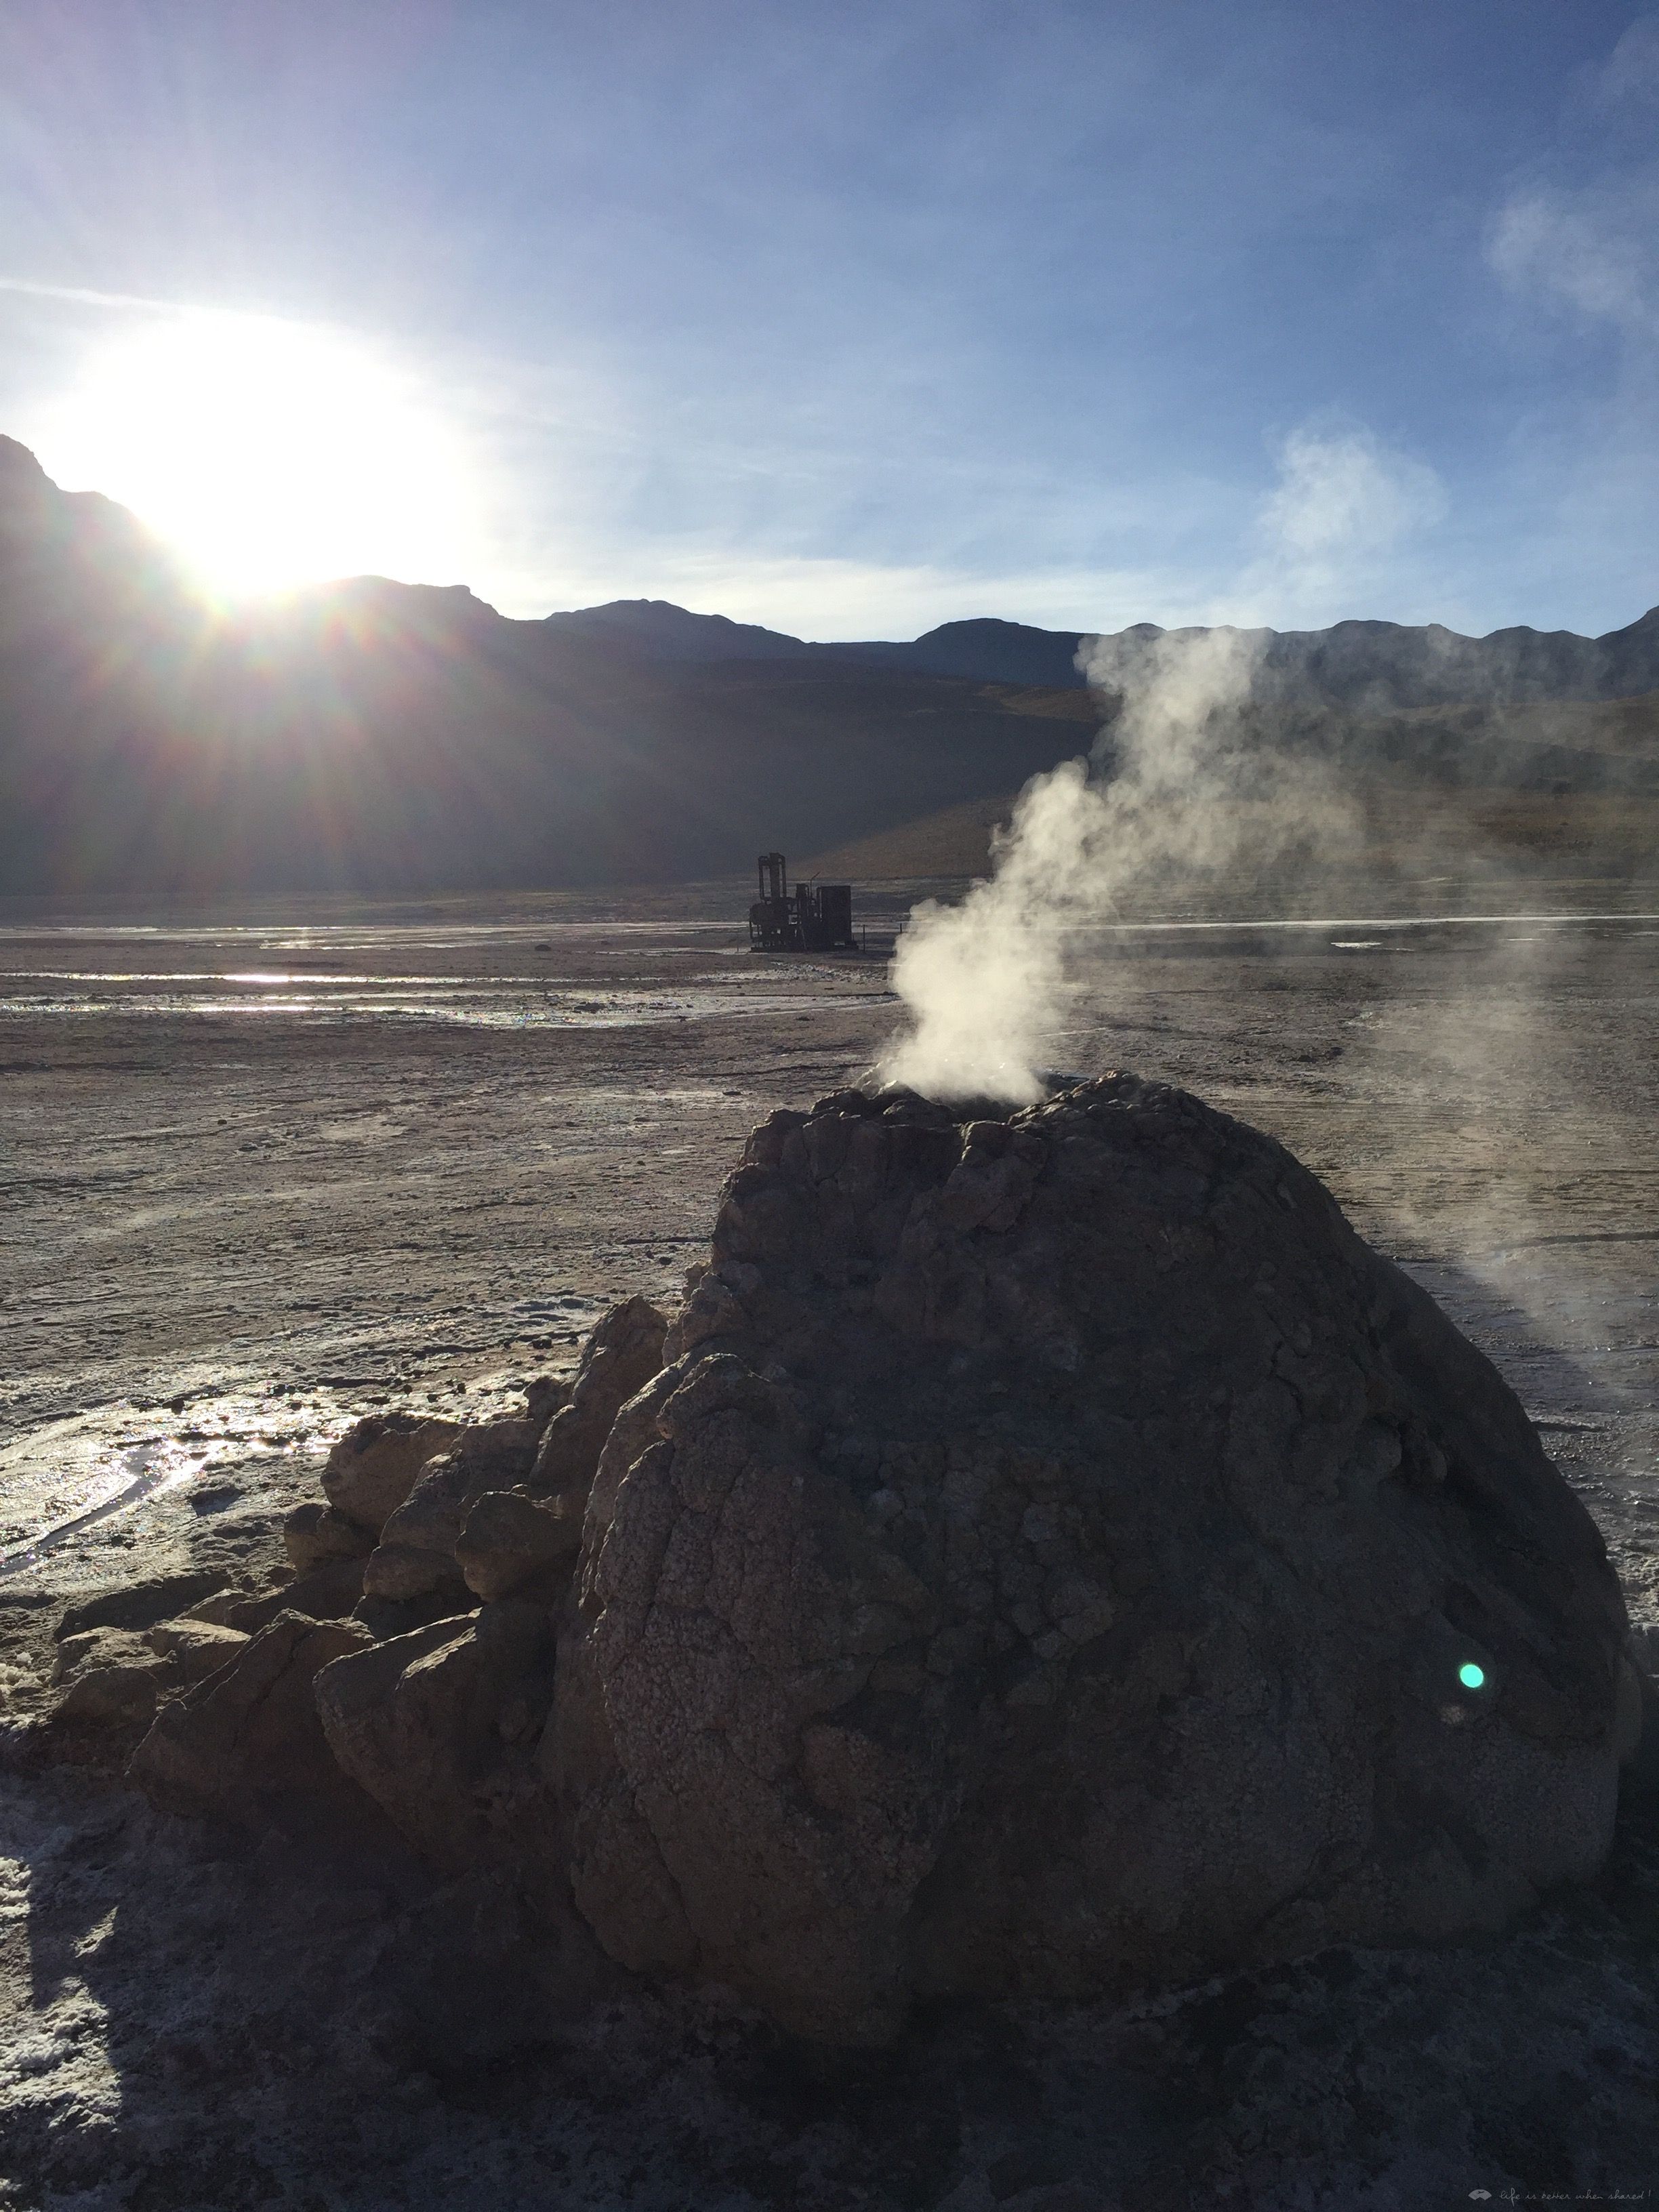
(269, 453)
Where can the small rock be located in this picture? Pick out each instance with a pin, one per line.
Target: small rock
(141, 1604)
(198, 1648)
(249, 1734)
(313, 1533)
(372, 1469)
(508, 1539)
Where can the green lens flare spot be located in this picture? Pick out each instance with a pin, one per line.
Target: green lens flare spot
(1471, 1676)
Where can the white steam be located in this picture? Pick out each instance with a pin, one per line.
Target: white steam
(1179, 787)
(1344, 501)
(1190, 784)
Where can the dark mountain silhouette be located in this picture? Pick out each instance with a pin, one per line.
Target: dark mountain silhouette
(1372, 666)
(376, 736)
(656, 629)
(988, 650)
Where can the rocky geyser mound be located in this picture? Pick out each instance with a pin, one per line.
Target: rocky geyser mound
(1060, 1552)
(1045, 1554)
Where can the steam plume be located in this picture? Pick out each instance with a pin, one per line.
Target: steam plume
(1180, 785)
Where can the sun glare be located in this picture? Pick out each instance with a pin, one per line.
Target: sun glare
(269, 453)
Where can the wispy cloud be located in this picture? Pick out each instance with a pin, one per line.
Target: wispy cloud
(1583, 230)
(1576, 245)
(82, 295)
(1593, 250)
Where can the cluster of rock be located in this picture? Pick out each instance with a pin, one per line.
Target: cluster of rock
(438, 1551)
(1046, 1551)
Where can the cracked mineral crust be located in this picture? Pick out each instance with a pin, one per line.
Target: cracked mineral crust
(1059, 1555)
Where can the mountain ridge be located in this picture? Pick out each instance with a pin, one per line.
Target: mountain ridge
(1357, 660)
(372, 735)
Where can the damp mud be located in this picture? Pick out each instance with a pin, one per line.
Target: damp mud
(267, 1171)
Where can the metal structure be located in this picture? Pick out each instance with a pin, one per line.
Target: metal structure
(812, 918)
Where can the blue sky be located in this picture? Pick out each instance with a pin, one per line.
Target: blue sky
(853, 317)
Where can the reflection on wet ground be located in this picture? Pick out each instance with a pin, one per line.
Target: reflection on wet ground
(493, 976)
(488, 1002)
(64, 1477)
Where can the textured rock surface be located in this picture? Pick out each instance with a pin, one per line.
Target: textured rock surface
(415, 1556)
(1059, 1554)
(439, 1726)
(248, 1738)
(618, 1359)
(372, 1469)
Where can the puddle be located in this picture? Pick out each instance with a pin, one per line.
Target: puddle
(479, 1002)
(66, 1476)
(61, 1477)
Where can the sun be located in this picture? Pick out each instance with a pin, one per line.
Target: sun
(271, 453)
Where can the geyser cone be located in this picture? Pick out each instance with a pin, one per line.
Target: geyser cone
(1058, 1553)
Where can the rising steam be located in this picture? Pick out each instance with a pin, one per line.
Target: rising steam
(1183, 784)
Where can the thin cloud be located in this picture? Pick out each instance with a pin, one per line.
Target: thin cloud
(82, 295)
(1592, 251)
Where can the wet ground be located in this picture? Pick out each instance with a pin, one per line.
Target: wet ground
(263, 1172)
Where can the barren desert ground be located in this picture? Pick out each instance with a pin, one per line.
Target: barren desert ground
(281, 1168)
(266, 1171)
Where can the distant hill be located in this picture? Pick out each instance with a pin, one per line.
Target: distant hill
(1497, 789)
(377, 736)
(656, 629)
(1369, 667)
(990, 651)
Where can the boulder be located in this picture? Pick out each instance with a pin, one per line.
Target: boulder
(511, 1542)
(618, 1359)
(438, 1726)
(141, 1604)
(415, 1556)
(372, 1469)
(1060, 1556)
(111, 1680)
(197, 1647)
(328, 1592)
(401, 1571)
(248, 1737)
(313, 1533)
